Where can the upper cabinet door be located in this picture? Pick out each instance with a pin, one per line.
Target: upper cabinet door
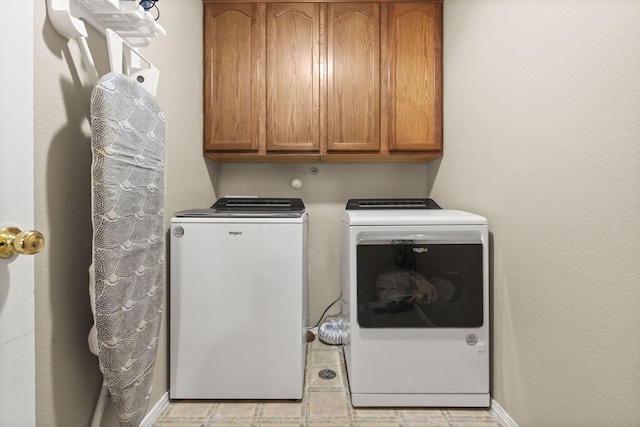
(415, 76)
(353, 62)
(231, 49)
(293, 76)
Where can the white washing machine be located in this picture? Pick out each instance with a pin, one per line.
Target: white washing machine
(238, 300)
(416, 298)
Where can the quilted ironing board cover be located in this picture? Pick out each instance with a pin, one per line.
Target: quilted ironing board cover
(127, 273)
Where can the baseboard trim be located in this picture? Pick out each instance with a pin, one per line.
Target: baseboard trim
(501, 414)
(153, 415)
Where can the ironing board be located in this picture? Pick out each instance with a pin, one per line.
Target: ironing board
(127, 273)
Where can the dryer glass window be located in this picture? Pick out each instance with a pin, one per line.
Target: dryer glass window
(411, 284)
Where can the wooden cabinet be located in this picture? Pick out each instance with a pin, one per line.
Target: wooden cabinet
(293, 77)
(353, 74)
(332, 81)
(232, 92)
(415, 76)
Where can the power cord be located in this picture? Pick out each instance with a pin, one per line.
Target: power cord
(325, 311)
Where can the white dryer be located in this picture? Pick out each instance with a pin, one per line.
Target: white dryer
(416, 297)
(238, 300)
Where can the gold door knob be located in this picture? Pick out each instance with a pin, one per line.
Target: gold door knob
(13, 242)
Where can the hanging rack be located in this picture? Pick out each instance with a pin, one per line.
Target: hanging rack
(126, 59)
(125, 25)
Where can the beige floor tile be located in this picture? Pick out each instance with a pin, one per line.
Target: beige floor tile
(281, 410)
(376, 414)
(269, 423)
(424, 424)
(329, 404)
(227, 423)
(179, 425)
(431, 414)
(192, 410)
(236, 410)
(379, 424)
(479, 424)
(324, 358)
(473, 416)
(467, 412)
(333, 424)
(317, 345)
(313, 380)
(278, 424)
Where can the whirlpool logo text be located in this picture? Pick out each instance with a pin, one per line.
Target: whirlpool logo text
(420, 250)
(235, 233)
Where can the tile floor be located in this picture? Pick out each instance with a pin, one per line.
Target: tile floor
(325, 403)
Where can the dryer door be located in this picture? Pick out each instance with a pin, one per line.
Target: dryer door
(420, 284)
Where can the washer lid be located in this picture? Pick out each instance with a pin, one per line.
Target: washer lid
(367, 204)
(410, 217)
(250, 208)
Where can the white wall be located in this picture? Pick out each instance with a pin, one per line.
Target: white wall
(542, 136)
(67, 375)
